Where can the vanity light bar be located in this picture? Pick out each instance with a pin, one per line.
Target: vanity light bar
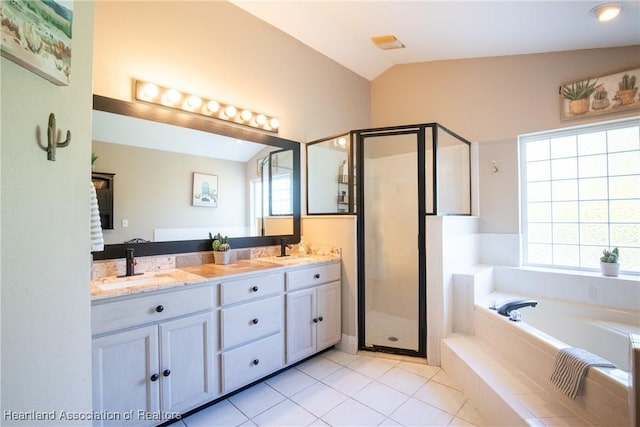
(156, 94)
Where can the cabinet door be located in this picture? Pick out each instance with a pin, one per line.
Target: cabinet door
(124, 365)
(301, 329)
(187, 362)
(328, 315)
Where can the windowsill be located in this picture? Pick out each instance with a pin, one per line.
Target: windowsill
(582, 273)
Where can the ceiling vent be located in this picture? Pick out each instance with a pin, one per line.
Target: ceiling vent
(387, 42)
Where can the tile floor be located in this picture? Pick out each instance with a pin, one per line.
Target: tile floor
(340, 389)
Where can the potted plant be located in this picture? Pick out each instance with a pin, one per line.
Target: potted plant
(627, 89)
(600, 98)
(578, 94)
(609, 265)
(221, 249)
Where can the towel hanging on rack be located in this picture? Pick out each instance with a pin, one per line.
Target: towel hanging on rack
(97, 240)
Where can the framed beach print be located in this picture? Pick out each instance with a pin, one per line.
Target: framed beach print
(205, 190)
(37, 36)
(600, 95)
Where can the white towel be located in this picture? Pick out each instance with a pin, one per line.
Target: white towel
(97, 240)
(571, 366)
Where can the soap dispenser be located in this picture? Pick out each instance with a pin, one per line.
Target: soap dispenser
(302, 247)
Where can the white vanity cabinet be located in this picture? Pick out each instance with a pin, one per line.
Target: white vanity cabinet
(153, 356)
(313, 312)
(160, 353)
(251, 329)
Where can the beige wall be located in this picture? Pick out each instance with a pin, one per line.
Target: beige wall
(339, 230)
(46, 323)
(493, 100)
(217, 50)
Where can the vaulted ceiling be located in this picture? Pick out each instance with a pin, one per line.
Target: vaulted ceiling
(443, 30)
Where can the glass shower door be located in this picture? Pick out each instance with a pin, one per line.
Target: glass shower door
(389, 237)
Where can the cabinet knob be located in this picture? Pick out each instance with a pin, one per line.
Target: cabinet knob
(316, 276)
(160, 308)
(256, 361)
(154, 377)
(166, 372)
(315, 320)
(254, 289)
(320, 318)
(254, 321)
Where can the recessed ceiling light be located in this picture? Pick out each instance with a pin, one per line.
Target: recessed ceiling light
(606, 12)
(387, 42)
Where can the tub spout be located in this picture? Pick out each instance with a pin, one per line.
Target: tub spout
(506, 308)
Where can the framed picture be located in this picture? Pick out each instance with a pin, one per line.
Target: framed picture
(600, 95)
(205, 190)
(37, 36)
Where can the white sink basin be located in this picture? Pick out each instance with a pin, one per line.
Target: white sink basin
(148, 278)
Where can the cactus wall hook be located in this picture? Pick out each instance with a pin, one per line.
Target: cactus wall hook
(52, 144)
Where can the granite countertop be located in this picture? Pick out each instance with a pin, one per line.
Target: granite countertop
(114, 286)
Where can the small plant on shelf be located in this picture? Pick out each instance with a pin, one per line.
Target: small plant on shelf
(609, 262)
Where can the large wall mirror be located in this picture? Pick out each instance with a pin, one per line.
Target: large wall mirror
(163, 158)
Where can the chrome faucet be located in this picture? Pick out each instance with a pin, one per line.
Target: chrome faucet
(506, 308)
(131, 262)
(283, 247)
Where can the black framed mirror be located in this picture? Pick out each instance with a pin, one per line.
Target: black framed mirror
(265, 217)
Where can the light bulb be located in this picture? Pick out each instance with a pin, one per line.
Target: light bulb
(274, 123)
(230, 111)
(606, 12)
(149, 91)
(246, 115)
(342, 141)
(172, 96)
(261, 119)
(213, 106)
(194, 102)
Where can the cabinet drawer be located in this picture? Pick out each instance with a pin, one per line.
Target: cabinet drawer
(251, 288)
(252, 361)
(312, 276)
(126, 313)
(249, 321)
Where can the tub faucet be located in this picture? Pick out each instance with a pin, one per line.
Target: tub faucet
(131, 262)
(506, 308)
(283, 247)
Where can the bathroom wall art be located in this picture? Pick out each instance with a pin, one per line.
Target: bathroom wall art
(600, 95)
(37, 36)
(205, 190)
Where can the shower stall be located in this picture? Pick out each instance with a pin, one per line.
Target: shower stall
(391, 178)
(404, 174)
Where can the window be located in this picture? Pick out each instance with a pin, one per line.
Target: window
(281, 195)
(580, 192)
